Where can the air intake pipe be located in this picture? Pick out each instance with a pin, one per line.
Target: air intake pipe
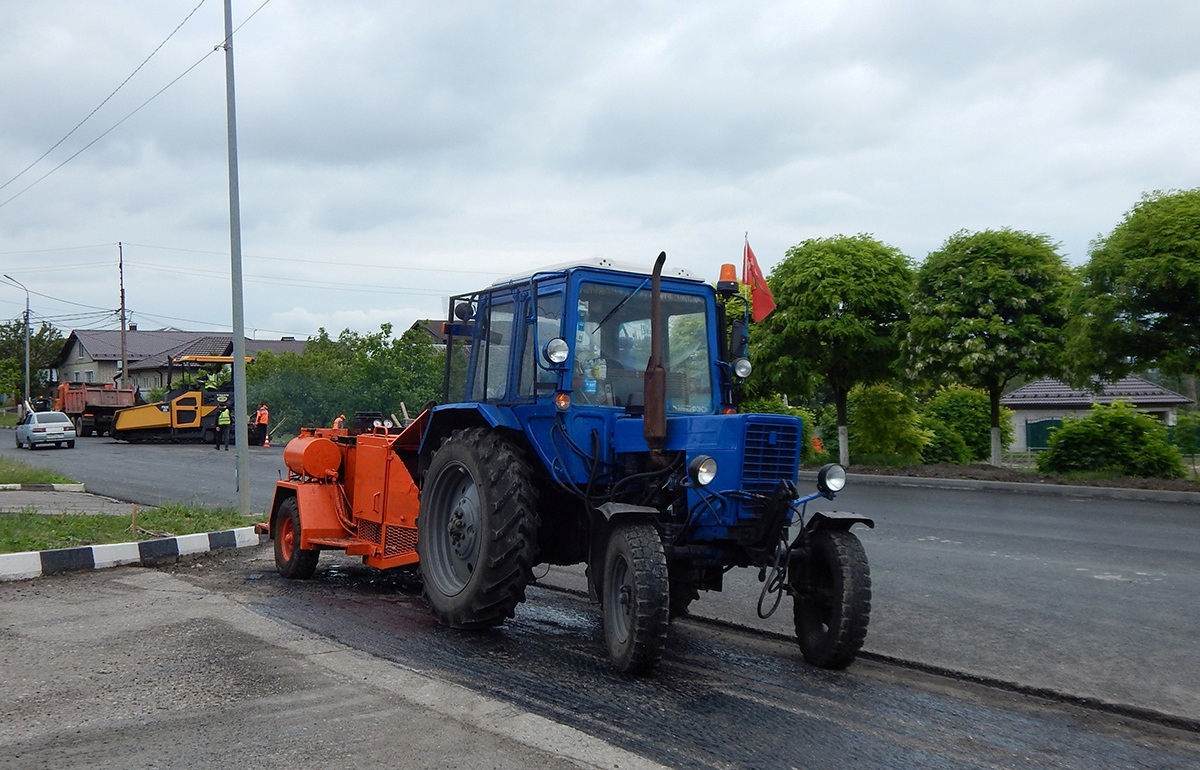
(654, 425)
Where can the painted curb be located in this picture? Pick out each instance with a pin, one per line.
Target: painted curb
(42, 488)
(147, 553)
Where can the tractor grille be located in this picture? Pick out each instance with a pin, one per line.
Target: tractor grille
(772, 453)
(400, 540)
(371, 531)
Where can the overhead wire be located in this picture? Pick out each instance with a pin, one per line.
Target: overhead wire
(106, 99)
(138, 109)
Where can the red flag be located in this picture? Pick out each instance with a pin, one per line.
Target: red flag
(762, 302)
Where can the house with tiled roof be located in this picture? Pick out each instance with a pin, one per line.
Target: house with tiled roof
(1041, 405)
(95, 355)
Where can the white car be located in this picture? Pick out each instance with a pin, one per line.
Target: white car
(46, 428)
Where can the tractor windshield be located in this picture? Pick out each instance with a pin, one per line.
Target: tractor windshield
(612, 347)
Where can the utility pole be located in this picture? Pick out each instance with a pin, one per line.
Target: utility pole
(121, 280)
(235, 265)
(18, 283)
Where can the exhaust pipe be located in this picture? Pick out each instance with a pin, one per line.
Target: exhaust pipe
(654, 425)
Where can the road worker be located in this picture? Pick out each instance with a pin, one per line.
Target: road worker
(339, 422)
(224, 427)
(261, 419)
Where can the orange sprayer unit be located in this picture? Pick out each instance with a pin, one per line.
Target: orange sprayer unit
(354, 491)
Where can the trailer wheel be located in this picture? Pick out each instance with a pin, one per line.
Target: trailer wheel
(291, 560)
(477, 529)
(833, 599)
(636, 598)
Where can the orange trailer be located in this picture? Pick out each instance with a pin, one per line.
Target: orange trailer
(354, 490)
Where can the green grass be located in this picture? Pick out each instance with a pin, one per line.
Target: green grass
(8, 419)
(29, 531)
(13, 472)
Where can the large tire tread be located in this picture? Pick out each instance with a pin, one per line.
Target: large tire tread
(508, 551)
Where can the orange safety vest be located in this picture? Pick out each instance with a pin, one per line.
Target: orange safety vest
(338, 422)
(262, 417)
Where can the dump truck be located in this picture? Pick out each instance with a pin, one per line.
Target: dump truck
(92, 407)
(187, 413)
(589, 415)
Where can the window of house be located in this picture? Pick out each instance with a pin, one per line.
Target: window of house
(89, 376)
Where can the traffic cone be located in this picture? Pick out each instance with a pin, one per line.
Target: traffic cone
(267, 439)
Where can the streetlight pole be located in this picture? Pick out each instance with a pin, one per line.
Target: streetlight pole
(18, 283)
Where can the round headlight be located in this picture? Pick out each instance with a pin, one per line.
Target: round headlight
(741, 367)
(702, 470)
(556, 350)
(831, 479)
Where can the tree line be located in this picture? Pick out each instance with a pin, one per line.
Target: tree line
(986, 310)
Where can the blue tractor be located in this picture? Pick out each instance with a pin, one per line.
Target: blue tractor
(590, 415)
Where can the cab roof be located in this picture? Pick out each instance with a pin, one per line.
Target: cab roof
(603, 263)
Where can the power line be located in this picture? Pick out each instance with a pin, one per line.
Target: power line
(127, 117)
(101, 104)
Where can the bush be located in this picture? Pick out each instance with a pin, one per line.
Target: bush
(1187, 433)
(884, 423)
(947, 444)
(773, 404)
(1115, 440)
(969, 412)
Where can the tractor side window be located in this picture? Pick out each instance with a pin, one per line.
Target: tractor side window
(495, 337)
(549, 326)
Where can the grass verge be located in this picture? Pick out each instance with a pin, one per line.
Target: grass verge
(13, 472)
(30, 531)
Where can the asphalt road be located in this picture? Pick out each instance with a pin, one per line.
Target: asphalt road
(219, 662)
(1088, 598)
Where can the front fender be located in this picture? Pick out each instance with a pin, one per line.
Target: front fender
(836, 521)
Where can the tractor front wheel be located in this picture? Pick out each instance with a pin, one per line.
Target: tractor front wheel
(833, 599)
(636, 598)
(291, 560)
(477, 529)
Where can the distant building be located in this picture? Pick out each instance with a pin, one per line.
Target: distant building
(95, 355)
(1041, 405)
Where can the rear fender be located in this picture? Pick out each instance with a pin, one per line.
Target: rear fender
(836, 521)
(318, 506)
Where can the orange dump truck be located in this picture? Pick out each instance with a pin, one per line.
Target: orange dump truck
(91, 407)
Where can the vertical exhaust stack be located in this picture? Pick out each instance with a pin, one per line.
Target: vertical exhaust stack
(655, 386)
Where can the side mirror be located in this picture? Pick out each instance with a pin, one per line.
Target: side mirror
(739, 339)
(464, 311)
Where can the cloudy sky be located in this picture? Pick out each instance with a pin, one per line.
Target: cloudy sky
(393, 154)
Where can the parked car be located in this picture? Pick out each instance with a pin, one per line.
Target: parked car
(46, 428)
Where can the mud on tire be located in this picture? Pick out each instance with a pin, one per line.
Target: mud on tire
(477, 529)
(636, 598)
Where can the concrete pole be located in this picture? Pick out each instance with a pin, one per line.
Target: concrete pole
(235, 262)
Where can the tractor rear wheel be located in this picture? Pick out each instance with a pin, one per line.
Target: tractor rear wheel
(636, 598)
(833, 599)
(477, 529)
(291, 560)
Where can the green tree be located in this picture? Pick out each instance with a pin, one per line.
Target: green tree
(968, 412)
(837, 302)
(1115, 439)
(353, 373)
(45, 345)
(988, 307)
(1138, 303)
